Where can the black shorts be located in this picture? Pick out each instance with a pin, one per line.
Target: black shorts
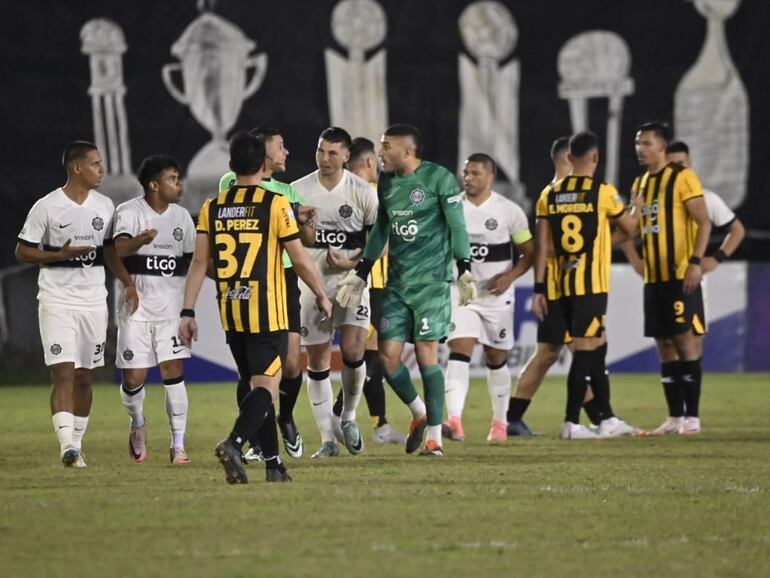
(292, 299)
(257, 353)
(669, 311)
(553, 329)
(585, 315)
(376, 295)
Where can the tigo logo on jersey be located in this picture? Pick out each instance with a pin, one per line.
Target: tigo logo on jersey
(334, 239)
(479, 252)
(97, 223)
(178, 234)
(166, 265)
(86, 261)
(346, 211)
(417, 197)
(407, 231)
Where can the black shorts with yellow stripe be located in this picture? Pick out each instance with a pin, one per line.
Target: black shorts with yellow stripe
(292, 300)
(258, 353)
(553, 328)
(669, 311)
(585, 315)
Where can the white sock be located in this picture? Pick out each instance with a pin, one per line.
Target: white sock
(499, 385)
(321, 401)
(456, 388)
(176, 409)
(352, 388)
(434, 433)
(80, 425)
(417, 407)
(134, 404)
(63, 425)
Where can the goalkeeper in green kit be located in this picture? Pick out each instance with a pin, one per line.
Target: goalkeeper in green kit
(420, 216)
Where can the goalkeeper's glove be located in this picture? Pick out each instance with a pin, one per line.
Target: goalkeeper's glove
(352, 285)
(466, 282)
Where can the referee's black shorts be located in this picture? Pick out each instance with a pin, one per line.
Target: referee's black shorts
(669, 311)
(292, 299)
(258, 353)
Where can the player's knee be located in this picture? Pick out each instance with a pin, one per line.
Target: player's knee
(546, 357)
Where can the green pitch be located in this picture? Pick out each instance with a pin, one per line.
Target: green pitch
(697, 507)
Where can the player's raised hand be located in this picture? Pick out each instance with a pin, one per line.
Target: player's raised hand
(351, 290)
(540, 306)
(188, 330)
(466, 283)
(146, 236)
(69, 252)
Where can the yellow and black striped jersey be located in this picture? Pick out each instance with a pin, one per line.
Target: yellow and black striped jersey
(668, 232)
(380, 273)
(578, 210)
(245, 226)
(553, 292)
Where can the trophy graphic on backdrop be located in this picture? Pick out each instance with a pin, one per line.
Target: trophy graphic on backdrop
(214, 55)
(356, 87)
(489, 91)
(595, 65)
(711, 109)
(104, 43)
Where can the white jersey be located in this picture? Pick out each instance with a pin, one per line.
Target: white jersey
(344, 215)
(493, 227)
(158, 268)
(55, 219)
(719, 213)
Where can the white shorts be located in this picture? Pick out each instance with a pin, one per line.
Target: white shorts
(73, 336)
(144, 344)
(491, 326)
(314, 332)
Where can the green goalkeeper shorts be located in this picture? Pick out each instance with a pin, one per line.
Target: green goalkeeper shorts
(415, 313)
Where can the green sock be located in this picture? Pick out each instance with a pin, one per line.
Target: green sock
(433, 382)
(402, 384)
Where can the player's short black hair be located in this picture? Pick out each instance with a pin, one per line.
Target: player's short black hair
(678, 146)
(580, 144)
(559, 146)
(75, 150)
(360, 147)
(247, 153)
(486, 160)
(659, 128)
(265, 132)
(152, 167)
(407, 130)
(335, 134)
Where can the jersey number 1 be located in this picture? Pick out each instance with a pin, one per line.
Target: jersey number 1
(229, 245)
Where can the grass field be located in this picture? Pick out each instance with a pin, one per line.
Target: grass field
(697, 507)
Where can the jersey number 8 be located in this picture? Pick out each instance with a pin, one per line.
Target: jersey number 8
(571, 239)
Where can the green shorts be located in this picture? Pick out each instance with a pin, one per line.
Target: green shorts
(415, 314)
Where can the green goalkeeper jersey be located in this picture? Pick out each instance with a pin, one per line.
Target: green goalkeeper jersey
(228, 180)
(421, 217)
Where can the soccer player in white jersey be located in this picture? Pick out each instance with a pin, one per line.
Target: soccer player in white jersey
(65, 233)
(498, 230)
(155, 236)
(347, 208)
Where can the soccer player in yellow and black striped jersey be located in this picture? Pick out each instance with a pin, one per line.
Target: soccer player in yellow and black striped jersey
(244, 230)
(575, 215)
(675, 230)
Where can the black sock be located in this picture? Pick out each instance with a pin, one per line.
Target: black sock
(268, 435)
(577, 382)
(673, 388)
(691, 376)
(337, 407)
(244, 387)
(600, 384)
(253, 410)
(374, 392)
(289, 387)
(516, 408)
